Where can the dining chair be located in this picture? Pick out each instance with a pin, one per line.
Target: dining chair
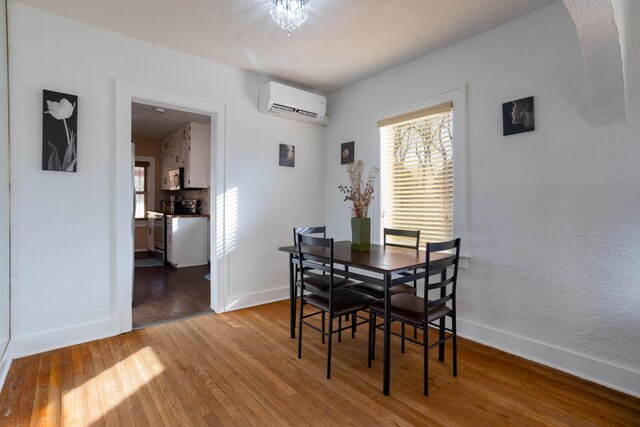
(333, 300)
(424, 312)
(321, 285)
(413, 242)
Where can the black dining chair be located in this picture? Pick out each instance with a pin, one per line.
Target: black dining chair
(412, 238)
(424, 312)
(319, 284)
(316, 263)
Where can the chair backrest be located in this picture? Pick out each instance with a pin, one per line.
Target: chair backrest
(446, 271)
(309, 230)
(412, 237)
(315, 260)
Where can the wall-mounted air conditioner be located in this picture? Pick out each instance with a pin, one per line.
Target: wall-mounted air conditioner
(291, 103)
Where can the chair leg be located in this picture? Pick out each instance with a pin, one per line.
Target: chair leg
(441, 339)
(300, 329)
(329, 347)
(373, 336)
(353, 325)
(402, 345)
(323, 325)
(371, 332)
(426, 360)
(340, 329)
(455, 346)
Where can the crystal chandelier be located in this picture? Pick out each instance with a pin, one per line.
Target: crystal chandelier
(289, 14)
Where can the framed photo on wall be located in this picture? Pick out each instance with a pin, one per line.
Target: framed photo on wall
(346, 153)
(287, 155)
(59, 131)
(518, 116)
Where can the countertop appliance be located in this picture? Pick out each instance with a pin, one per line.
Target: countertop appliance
(176, 179)
(190, 206)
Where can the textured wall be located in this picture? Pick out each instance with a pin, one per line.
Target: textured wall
(63, 244)
(554, 232)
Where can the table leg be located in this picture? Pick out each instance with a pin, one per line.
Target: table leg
(292, 299)
(387, 335)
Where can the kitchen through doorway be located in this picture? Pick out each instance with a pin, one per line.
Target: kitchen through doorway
(171, 167)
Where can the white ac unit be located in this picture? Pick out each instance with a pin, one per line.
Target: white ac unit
(291, 103)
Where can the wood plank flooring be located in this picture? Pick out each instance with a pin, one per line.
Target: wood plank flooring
(240, 368)
(165, 293)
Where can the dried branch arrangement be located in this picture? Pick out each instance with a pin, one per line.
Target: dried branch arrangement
(359, 192)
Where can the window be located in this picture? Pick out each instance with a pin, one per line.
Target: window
(142, 189)
(416, 172)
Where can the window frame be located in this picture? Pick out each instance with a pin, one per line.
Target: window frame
(150, 184)
(145, 192)
(457, 95)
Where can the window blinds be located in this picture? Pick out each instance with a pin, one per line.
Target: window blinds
(417, 172)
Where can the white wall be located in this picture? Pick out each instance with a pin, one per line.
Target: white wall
(554, 231)
(4, 191)
(63, 224)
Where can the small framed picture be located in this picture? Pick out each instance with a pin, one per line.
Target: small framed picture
(59, 131)
(287, 155)
(517, 116)
(346, 153)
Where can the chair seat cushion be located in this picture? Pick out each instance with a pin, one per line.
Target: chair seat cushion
(377, 291)
(345, 301)
(322, 285)
(410, 308)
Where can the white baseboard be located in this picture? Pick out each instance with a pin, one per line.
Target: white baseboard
(5, 363)
(27, 345)
(598, 371)
(237, 302)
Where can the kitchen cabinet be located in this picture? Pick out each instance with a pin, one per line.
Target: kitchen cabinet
(197, 154)
(164, 163)
(189, 147)
(187, 240)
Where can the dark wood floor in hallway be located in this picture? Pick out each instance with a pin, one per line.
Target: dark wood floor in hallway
(240, 368)
(164, 293)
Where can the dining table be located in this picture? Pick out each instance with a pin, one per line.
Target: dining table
(382, 265)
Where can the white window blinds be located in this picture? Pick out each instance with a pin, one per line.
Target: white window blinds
(417, 172)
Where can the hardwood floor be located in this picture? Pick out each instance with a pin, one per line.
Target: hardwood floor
(165, 293)
(240, 368)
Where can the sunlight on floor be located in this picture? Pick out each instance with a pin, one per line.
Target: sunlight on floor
(139, 369)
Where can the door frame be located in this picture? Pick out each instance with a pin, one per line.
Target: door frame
(124, 227)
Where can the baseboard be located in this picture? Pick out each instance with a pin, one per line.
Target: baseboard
(237, 302)
(5, 364)
(142, 250)
(598, 371)
(27, 345)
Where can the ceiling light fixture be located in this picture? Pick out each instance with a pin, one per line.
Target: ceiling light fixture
(289, 14)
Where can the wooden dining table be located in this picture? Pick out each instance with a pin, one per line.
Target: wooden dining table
(382, 265)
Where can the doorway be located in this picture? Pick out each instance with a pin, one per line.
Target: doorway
(125, 196)
(171, 277)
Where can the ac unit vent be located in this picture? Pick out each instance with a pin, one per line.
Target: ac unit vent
(288, 102)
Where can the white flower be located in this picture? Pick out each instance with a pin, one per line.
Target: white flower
(60, 110)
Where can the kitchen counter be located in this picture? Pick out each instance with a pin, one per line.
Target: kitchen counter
(187, 215)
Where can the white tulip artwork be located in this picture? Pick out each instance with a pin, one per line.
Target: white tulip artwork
(59, 132)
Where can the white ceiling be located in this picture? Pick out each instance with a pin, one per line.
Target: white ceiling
(148, 123)
(343, 41)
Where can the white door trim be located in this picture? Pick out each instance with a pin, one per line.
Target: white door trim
(123, 244)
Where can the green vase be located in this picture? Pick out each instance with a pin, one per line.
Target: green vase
(360, 234)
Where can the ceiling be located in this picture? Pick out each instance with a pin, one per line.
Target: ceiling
(343, 41)
(147, 122)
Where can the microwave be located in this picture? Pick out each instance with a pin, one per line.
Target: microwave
(176, 179)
